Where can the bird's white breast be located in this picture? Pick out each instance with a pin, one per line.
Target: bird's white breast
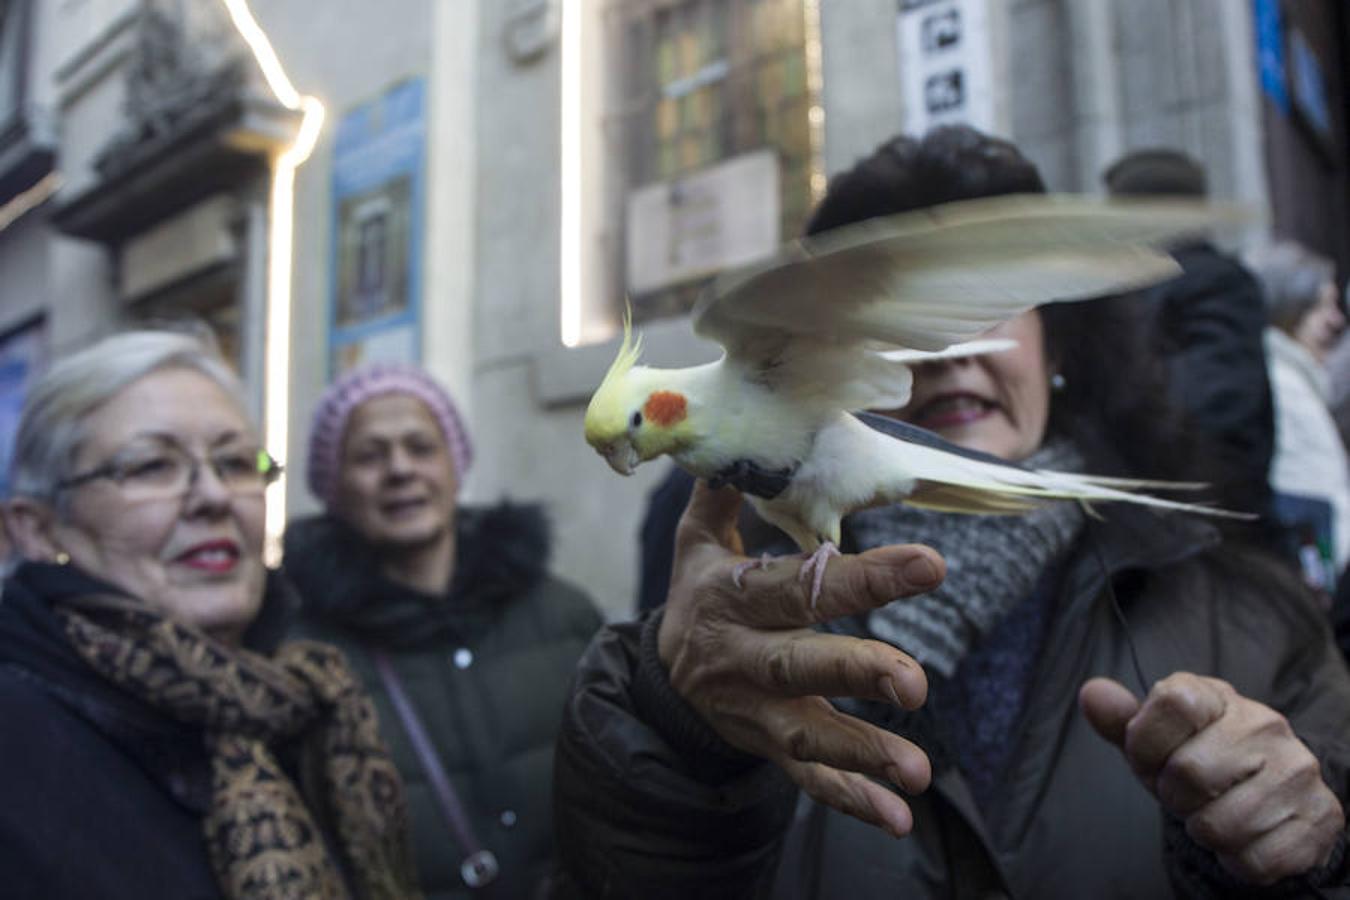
(849, 466)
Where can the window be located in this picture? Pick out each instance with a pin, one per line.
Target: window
(705, 129)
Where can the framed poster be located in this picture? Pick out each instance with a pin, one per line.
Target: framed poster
(378, 214)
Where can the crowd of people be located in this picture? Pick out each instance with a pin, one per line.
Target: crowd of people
(1062, 703)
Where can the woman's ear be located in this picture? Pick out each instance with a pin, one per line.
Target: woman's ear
(30, 524)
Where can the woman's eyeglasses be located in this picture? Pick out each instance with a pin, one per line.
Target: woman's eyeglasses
(165, 470)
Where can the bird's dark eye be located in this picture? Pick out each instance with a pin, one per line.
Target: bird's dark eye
(636, 421)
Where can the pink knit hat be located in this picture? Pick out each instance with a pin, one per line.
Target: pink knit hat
(356, 387)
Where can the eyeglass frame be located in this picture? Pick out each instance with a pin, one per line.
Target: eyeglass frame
(113, 471)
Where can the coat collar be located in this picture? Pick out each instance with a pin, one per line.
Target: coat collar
(501, 552)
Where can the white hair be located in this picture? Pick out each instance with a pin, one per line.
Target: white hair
(1291, 277)
(53, 422)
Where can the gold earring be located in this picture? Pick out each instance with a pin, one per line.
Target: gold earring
(61, 558)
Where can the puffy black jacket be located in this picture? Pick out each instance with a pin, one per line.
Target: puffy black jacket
(651, 804)
(486, 666)
(103, 796)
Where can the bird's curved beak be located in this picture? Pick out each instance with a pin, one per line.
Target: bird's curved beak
(622, 457)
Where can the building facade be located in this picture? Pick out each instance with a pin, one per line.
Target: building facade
(493, 181)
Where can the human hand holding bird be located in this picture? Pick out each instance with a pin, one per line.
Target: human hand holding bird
(748, 661)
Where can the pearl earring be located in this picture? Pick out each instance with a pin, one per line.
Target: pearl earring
(1057, 382)
(61, 558)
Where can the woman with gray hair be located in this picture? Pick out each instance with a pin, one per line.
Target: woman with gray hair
(1309, 473)
(163, 742)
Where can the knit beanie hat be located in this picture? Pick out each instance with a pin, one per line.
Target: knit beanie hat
(356, 387)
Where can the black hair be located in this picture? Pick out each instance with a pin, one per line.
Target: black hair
(1116, 405)
(952, 162)
(1156, 171)
(1114, 401)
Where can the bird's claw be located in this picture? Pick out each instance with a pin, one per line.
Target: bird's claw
(814, 568)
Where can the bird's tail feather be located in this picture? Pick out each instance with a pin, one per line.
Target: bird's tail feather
(958, 498)
(957, 484)
(1143, 484)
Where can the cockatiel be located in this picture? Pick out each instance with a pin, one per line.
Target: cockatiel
(805, 334)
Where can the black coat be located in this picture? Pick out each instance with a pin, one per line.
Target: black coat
(486, 666)
(102, 796)
(1208, 326)
(651, 803)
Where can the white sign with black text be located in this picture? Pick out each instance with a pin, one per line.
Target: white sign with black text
(946, 64)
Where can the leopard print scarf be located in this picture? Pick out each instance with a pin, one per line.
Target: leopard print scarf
(264, 841)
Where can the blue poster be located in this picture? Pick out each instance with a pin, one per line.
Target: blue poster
(23, 357)
(1270, 52)
(379, 167)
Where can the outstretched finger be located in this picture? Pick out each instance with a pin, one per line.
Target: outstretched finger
(810, 730)
(774, 597)
(809, 663)
(854, 795)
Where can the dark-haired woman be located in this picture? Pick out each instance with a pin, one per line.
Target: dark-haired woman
(1124, 706)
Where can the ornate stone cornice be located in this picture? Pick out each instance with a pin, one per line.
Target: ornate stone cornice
(195, 125)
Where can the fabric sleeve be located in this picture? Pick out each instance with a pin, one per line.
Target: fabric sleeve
(649, 802)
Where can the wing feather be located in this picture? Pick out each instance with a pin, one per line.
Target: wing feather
(935, 277)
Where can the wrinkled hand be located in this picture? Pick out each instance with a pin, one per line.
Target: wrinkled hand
(1231, 768)
(748, 662)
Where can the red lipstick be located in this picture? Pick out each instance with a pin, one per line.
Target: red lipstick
(215, 557)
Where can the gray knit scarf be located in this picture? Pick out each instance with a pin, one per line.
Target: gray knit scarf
(993, 563)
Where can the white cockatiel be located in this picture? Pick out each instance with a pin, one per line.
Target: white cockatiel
(809, 338)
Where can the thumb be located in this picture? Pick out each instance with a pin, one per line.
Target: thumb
(1109, 706)
(710, 517)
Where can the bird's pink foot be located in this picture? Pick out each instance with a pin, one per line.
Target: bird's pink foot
(738, 572)
(814, 568)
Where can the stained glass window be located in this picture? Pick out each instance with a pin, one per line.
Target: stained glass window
(707, 80)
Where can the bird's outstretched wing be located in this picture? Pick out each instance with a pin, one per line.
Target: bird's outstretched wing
(932, 278)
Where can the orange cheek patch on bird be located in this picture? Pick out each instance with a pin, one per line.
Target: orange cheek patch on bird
(665, 408)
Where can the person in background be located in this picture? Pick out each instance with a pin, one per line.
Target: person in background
(1207, 325)
(450, 618)
(1310, 473)
(159, 739)
(1338, 373)
(699, 755)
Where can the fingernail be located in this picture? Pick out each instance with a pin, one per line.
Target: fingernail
(888, 689)
(894, 777)
(920, 570)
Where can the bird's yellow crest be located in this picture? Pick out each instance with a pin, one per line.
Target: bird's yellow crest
(611, 404)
